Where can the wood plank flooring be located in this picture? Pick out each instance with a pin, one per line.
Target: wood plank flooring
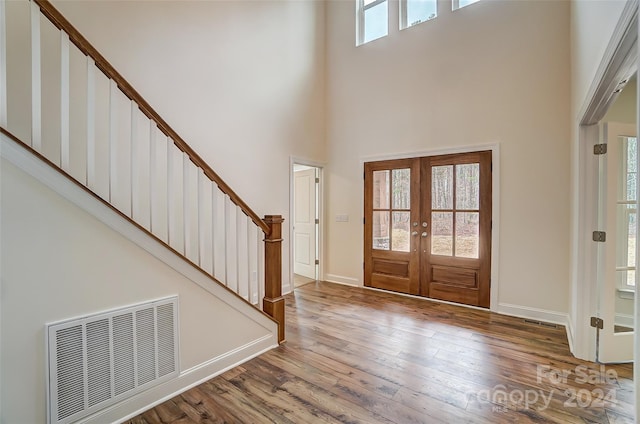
(355, 355)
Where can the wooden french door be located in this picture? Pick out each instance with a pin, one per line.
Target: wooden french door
(428, 226)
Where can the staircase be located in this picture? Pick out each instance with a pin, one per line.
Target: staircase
(121, 151)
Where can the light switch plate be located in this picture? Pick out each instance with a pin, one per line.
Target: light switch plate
(342, 218)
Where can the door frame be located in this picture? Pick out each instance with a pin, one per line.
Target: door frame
(293, 160)
(619, 61)
(495, 204)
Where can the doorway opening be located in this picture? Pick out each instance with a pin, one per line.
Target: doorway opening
(305, 223)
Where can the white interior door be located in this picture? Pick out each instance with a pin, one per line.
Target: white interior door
(617, 255)
(304, 224)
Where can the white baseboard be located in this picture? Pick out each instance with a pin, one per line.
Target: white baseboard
(537, 314)
(186, 380)
(347, 281)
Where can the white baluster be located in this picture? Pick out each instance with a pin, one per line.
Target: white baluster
(238, 233)
(199, 235)
(186, 205)
(64, 100)
(91, 123)
(214, 215)
(249, 225)
(153, 167)
(260, 267)
(170, 188)
(113, 141)
(135, 178)
(227, 228)
(3, 65)
(36, 80)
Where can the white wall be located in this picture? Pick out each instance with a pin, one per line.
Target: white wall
(483, 74)
(241, 81)
(60, 262)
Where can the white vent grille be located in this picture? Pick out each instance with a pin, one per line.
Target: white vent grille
(96, 361)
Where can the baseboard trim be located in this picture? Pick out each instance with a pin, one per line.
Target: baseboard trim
(545, 315)
(187, 379)
(339, 279)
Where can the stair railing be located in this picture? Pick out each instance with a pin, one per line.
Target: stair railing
(137, 164)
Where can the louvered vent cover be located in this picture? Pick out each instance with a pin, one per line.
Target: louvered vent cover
(98, 360)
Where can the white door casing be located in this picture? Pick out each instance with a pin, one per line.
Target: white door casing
(304, 224)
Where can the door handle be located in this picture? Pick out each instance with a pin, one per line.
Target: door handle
(424, 234)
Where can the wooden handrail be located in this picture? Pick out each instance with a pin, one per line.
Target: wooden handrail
(56, 18)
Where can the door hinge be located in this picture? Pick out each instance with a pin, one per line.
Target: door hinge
(317, 180)
(597, 323)
(317, 221)
(599, 236)
(317, 261)
(600, 149)
(363, 220)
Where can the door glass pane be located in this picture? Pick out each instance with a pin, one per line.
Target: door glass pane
(442, 233)
(442, 187)
(381, 230)
(400, 236)
(468, 186)
(401, 188)
(380, 189)
(467, 234)
(631, 153)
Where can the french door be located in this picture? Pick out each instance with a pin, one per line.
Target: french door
(428, 226)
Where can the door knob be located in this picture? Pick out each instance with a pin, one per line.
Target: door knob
(424, 224)
(424, 234)
(414, 233)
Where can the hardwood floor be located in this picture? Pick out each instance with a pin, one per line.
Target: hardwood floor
(361, 356)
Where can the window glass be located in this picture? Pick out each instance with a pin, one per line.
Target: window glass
(442, 187)
(442, 233)
(376, 21)
(417, 11)
(626, 220)
(457, 4)
(401, 188)
(400, 234)
(380, 189)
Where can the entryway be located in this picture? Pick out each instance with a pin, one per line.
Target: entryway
(428, 226)
(306, 223)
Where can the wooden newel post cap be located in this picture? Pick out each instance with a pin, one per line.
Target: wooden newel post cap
(273, 219)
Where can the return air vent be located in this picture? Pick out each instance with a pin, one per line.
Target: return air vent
(98, 360)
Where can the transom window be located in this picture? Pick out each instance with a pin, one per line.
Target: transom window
(413, 12)
(458, 4)
(372, 16)
(372, 20)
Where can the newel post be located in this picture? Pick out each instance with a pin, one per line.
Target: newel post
(273, 303)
